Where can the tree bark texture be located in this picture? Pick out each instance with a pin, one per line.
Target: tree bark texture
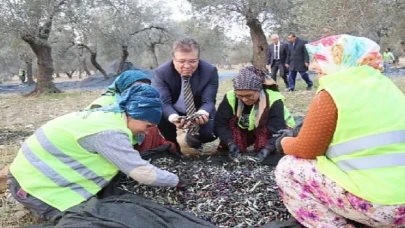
(260, 45)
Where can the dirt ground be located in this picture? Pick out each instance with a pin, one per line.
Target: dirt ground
(20, 116)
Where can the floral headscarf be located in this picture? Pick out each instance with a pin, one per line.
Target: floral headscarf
(334, 53)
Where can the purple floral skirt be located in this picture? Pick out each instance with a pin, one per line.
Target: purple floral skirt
(316, 201)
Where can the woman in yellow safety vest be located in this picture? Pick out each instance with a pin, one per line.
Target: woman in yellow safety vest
(124, 81)
(251, 115)
(76, 156)
(347, 164)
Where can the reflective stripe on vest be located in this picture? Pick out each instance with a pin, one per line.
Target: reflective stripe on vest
(372, 162)
(69, 161)
(367, 142)
(46, 170)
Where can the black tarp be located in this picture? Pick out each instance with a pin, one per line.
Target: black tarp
(134, 211)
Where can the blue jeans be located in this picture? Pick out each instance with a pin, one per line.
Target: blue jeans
(293, 75)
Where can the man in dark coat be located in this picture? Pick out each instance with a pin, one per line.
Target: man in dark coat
(277, 57)
(297, 61)
(172, 79)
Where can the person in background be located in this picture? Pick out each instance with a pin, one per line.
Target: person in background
(124, 81)
(21, 75)
(389, 59)
(297, 61)
(187, 86)
(249, 114)
(74, 157)
(346, 165)
(277, 57)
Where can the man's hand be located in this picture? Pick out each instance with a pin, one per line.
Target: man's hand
(201, 120)
(287, 65)
(306, 64)
(176, 120)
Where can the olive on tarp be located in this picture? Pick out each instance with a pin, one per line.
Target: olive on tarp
(226, 194)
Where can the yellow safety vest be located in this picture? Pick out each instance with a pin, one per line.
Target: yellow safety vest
(53, 167)
(272, 96)
(367, 153)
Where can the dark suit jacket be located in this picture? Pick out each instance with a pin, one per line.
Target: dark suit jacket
(298, 55)
(283, 53)
(204, 85)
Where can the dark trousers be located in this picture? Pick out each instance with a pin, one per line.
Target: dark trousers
(44, 211)
(206, 133)
(293, 75)
(280, 67)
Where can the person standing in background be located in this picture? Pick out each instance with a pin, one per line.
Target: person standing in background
(297, 61)
(388, 58)
(276, 59)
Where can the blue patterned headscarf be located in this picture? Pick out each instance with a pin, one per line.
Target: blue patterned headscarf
(141, 102)
(125, 80)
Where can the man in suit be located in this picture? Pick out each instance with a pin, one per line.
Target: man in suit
(297, 61)
(276, 58)
(173, 80)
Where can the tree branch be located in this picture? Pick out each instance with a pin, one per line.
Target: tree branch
(86, 47)
(150, 28)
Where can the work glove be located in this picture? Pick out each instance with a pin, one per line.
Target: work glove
(279, 148)
(286, 133)
(183, 184)
(283, 133)
(263, 153)
(233, 150)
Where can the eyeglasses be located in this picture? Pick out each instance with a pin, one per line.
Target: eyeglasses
(184, 61)
(247, 96)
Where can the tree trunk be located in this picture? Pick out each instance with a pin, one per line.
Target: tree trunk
(93, 60)
(57, 71)
(152, 52)
(124, 57)
(70, 74)
(28, 66)
(403, 47)
(45, 67)
(260, 45)
(84, 65)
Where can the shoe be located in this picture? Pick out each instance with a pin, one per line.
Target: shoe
(309, 87)
(290, 90)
